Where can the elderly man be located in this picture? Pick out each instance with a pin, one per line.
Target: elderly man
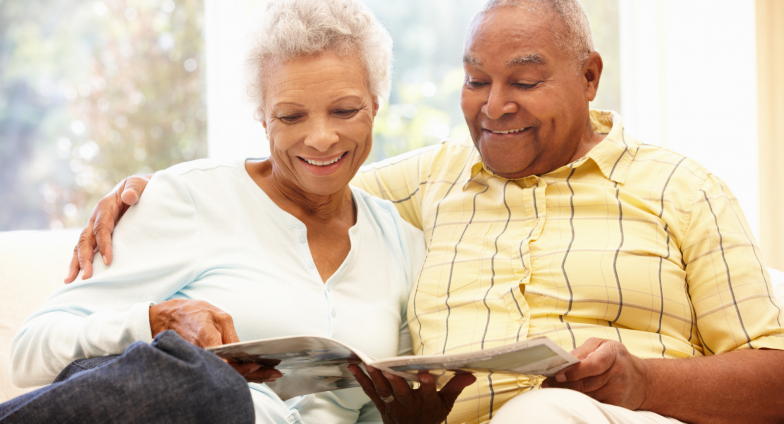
(553, 221)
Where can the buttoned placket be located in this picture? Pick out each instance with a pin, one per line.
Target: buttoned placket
(326, 287)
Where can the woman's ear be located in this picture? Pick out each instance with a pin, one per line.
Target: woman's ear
(376, 106)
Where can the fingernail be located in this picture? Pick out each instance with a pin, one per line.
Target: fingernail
(560, 378)
(253, 368)
(105, 261)
(388, 375)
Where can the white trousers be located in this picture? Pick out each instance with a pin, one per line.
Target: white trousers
(569, 406)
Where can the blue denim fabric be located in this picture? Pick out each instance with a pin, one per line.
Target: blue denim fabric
(167, 381)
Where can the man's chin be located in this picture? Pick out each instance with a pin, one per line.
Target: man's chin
(504, 164)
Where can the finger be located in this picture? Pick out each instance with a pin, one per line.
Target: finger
(107, 212)
(208, 336)
(226, 326)
(585, 385)
(73, 269)
(400, 387)
(596, 363)
(244, 369)
(454, 387)
(85, 252)
(383, 388)
(367, 386)
(134, 186)
(263, 375)
(590, 346)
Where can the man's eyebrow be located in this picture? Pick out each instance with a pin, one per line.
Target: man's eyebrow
(471, 60)
(531, 59)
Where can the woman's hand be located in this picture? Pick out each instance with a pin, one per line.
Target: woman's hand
(399, 403)
(97, 235)
(204, 325)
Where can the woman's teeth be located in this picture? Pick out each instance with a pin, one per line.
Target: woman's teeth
(509, 131)
(320, 163)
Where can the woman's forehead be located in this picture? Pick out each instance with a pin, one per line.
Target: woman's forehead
(323, 76)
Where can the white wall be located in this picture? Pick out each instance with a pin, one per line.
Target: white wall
(232, 131)
(689, 83)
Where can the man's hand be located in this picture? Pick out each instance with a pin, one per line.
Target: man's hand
(607, 373)
(204, 325)
(97, 235)
(399, 403)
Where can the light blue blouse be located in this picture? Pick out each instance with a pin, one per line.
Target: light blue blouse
(205, 230)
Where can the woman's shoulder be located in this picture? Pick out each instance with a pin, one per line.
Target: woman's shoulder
(383, 215)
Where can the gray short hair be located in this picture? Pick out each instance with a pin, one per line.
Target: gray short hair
(577, 37)
(293, 28)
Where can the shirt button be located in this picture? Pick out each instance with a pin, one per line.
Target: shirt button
(334, 313)
(302, 239)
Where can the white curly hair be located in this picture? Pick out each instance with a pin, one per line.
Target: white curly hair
(293, 28)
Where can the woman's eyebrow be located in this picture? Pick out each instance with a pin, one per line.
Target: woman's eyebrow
(350, 96)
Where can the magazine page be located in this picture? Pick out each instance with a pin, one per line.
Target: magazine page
(538, 356)
(309, 364)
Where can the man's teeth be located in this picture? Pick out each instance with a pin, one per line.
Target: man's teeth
(320, 163)
(508, 132)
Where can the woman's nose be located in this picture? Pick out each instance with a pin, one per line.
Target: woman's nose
(321, 137)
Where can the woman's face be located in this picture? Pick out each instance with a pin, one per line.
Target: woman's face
(318, 113)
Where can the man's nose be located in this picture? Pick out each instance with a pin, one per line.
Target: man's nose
(321, 136)
(499, 103)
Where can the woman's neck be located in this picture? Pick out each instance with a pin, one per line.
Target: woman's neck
(292, 199)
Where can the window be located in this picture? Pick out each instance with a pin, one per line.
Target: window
(92, 91)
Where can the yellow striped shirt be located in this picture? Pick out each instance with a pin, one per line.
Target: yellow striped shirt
(632, 243)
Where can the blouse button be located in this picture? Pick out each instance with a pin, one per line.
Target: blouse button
(334, 313)
(302, 239)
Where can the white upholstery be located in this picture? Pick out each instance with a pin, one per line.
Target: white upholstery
(34, 263)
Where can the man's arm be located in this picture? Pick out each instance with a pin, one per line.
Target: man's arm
(400, 179)
(741, 386)
(738, 325)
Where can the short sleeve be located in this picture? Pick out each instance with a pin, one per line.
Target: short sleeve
(729, 286)
(401, 180)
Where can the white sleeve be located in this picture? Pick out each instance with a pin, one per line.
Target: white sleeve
(156, 249)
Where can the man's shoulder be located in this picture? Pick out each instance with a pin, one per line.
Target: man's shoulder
(651, 158)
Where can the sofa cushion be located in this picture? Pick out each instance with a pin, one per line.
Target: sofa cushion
(32, 265)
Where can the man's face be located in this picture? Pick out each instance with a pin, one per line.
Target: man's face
(525, 102)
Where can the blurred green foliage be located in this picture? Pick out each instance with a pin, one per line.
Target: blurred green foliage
(93, 91)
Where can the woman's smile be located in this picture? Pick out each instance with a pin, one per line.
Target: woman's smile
(323, 166)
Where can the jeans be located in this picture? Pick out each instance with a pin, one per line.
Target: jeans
(167, 381)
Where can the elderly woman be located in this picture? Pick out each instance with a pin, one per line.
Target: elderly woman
(194, 256)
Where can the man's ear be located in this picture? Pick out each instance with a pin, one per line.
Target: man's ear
(592, 72)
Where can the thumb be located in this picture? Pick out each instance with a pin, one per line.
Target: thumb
(134, 186)
(452, 390)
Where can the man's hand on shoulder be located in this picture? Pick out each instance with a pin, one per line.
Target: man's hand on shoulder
(607, 372)
(97, 235)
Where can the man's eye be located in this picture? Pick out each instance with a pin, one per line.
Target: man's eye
(475, 84)
(525, 86)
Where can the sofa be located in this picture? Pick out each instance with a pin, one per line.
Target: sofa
(33, 265)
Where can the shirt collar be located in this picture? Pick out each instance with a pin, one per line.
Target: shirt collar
(613, 155)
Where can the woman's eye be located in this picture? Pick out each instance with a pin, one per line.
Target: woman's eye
(289, 118)
(346, 113)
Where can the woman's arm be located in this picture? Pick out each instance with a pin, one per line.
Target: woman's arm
(158, 245)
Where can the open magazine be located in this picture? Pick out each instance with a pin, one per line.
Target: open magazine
(312, 364)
